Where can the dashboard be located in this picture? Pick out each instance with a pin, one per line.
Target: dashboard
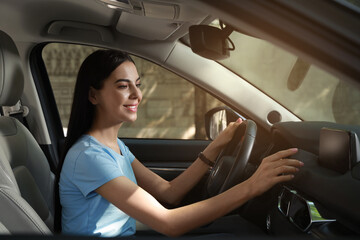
(323, 199)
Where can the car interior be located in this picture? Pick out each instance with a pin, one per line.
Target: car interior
(323, 37)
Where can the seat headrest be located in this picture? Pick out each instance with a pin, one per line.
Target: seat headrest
(11, 74)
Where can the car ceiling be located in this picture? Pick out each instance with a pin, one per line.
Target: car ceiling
(302, 27)
(93, 22)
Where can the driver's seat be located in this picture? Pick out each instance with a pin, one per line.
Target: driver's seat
(26, 182)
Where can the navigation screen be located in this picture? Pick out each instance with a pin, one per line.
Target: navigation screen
(334, 150)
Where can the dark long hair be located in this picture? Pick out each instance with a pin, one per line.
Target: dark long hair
(94, 70)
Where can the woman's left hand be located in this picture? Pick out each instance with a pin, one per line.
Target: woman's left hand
(226, 135)
(214, 148)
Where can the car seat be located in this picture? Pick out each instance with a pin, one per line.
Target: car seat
(3, 229)
(26, 182)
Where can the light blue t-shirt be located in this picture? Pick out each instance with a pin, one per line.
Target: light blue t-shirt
(87, 166)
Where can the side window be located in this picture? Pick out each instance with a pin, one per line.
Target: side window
(172, 108)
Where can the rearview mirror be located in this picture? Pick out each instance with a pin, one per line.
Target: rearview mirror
(210, 42)
(217, 119)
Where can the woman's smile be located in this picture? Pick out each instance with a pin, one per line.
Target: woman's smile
(132, 108)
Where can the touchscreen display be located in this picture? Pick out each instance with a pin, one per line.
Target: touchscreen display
(335, 149)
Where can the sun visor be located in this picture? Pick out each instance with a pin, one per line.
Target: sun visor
(146, 27)
(170, 12)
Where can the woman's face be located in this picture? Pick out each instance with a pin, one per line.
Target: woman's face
(117, 101)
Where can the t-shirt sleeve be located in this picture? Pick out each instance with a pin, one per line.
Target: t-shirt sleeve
(93, 169)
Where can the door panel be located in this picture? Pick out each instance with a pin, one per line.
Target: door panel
(166, 157)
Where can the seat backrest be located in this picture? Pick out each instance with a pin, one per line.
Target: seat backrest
(26, 182)
(3, 230)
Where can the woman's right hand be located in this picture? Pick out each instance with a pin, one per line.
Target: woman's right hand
(274, 169)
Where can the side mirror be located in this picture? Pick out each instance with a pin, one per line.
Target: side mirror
(210, 42)
(217, 119)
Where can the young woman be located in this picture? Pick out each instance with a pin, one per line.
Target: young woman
(103, 187)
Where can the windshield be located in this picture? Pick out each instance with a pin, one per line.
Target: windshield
(306, 90)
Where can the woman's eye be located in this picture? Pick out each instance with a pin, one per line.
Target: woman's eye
(122, 86)
(138, 85)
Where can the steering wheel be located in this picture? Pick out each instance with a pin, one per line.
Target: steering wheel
(230, 164)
